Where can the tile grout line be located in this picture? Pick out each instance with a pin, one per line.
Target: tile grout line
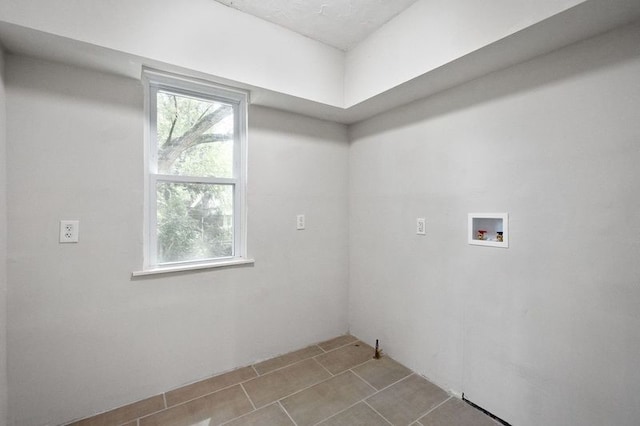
(286, 412)
(242, 382)
(392, 384)
(235, 370)
(365, 398)
(226, 422)
(340, 347)
(286, 396)
(241, 416)
(197, 397)
(236, 383)
(248, 397)
(152, 414)
(325, 368)
(359, 365)
(167, 407)
(339, 412)
(286, 365)
(376, 391)
(329, 378)
(186, 401)
(279, 368)
(340, 372)
(429, 411)
(164, 397)
(308, 387)
(355, 339)
(377, 412)
(364, 380)
(416, 422)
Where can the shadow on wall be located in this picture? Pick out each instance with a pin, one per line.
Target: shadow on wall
(91, 87)
(271, 120)
(586, 57)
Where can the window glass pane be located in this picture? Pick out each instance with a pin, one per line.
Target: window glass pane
(195, 221)
(194, 136)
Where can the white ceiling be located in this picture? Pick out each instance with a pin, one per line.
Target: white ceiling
(292, 84)
(338, 23)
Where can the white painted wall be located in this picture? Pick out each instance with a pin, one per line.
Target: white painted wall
(199, 35)
(3, 247)
(433, 33)
(83, 337)
(545, 332)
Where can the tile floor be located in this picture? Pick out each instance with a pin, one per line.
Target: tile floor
(332, 383)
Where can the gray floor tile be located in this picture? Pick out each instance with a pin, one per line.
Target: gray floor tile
(358, 415)
(335, 343)
(210, 385)
(287, 359)
(213, 409)
(382, 372)
(326, 399)
(458, 413)
(271, 415)
(407, 400)
(272, 386)
(346, 357)
(337, 387)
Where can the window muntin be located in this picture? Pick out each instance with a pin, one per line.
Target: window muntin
(196, 172)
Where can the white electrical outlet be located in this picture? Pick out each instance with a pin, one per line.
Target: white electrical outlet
(300, 225)
(421, 226)
(69, 230)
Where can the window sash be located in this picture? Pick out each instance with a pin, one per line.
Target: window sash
(154, 221)
(239, 114)
(156, 81)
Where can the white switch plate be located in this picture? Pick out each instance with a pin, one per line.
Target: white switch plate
(69, 230)
(300, 225)
(421, 226)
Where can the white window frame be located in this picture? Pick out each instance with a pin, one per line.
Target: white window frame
(154, 81)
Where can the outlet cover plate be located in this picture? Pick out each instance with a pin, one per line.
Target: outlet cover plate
(69, 230)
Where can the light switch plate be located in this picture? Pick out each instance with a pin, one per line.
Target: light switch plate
(421, 226)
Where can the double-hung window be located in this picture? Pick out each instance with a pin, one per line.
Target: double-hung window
(196, 173)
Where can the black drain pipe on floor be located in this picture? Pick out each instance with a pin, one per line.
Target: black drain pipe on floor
(378, 353)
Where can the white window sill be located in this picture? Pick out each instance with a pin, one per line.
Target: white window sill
(192, 267)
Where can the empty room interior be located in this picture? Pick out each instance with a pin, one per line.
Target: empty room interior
(200, 197)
